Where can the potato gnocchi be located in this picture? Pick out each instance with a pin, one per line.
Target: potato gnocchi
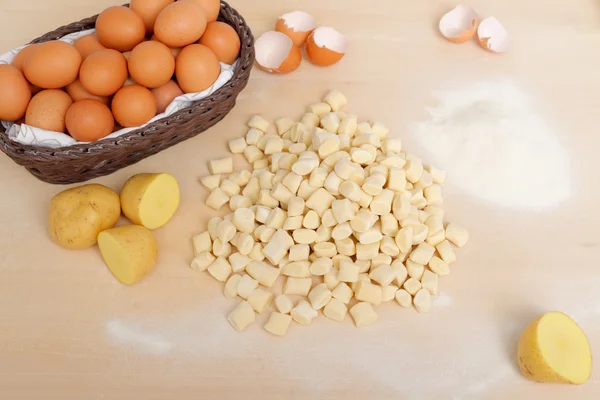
(335, 209)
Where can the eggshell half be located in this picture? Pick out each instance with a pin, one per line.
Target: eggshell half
(297, 25)
(276, 53)
(325, 46)
(459, 24)
(493, 36)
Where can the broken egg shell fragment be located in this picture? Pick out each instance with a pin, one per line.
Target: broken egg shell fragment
(325, 46)
(459, 24)
(297, 25)
(276, 53)
(492, 35)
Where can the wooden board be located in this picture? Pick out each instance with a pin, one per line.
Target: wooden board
(69, 330)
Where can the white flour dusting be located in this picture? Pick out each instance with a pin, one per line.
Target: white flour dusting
(131, 335)
(442, 301)
(495, 147)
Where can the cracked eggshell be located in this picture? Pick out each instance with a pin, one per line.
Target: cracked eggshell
(493, 36)
(297, 25)
(459, 24)
(276, 53)
(325, 46)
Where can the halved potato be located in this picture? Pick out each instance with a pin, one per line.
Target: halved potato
(554, 349)
(130, 252)
(150, 200)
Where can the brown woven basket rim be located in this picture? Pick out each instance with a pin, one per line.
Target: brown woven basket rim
(244, 64)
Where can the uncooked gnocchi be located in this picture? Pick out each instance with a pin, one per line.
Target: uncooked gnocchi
(334, 208)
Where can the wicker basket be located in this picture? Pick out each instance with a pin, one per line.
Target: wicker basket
(83, 162)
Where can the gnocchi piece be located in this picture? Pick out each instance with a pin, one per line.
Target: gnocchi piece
(343, 293)
(263, 273)
(335, 310)
(230, 289)
(217, 199)
(404, 298)
(457, 235)
(221, 166)
(220, 269)
(303, 313)
(388, 293)
(237, 146)
(446, 252)
(202, 261)
(319, 296)
(283, 304)
(278, 323)
(246, 286)
(239, 261)
(259, 123)
(363, 314)
(321, 266)
(260, 300)
(297, 286)
(429, 281)
(242, 316)
(202, 243)
(422, 301)
(383, 274)
(366, 291)
(211, 182)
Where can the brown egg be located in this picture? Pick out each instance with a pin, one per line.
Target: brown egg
(211, 9)
(88, 120)
(180, 23)
(104, 72)
(47, 110)
(133, 105)
(196, 68)
(14, 93)
(120, 28)
(52, 65)
(148, 10)
(165, 94)
(223, 40)
(151, 64)
(22, 55)
(88, 44)
(78, 92)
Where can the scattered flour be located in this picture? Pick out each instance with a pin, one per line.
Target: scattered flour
(442, 301)
(125, 333)
(495, 147)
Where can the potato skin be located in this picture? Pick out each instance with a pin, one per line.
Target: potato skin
(77, 215)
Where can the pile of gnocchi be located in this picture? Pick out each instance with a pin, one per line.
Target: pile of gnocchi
(335, 208)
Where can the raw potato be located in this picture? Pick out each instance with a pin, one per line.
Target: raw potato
(150, 200)
(130, 252)
(78, 215)
(554, 349)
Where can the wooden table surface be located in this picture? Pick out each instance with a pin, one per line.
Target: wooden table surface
(69, 330)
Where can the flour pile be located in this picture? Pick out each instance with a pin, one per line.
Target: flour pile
(494, 146)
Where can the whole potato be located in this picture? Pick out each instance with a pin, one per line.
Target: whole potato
(78, 215)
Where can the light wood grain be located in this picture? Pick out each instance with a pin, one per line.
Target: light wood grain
(69, 330)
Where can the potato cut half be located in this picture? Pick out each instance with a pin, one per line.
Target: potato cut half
(150, 200)
(555, 349)
(130, 252)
